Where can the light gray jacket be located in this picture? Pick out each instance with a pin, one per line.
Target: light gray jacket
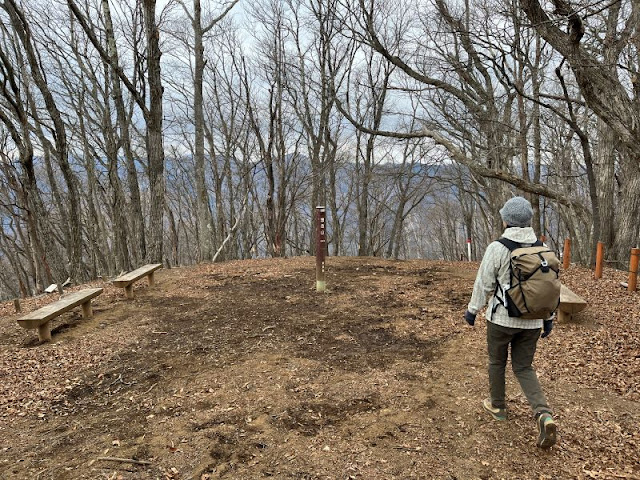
(495, 268)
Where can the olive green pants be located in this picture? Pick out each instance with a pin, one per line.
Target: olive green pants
(523, 348)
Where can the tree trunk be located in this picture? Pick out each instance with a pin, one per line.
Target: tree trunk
(97, 245)
(154, 138)
(537, 221)
(362, 201)
(139, 244)
(599, 84)
(628, 220)
(118, 206)
(174, 237)
(203, 210)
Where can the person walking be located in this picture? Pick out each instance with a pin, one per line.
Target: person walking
(504, 331)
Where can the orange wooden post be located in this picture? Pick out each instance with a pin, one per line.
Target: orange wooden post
(633, 270)
(599, 259)
(543, 238)
(566, 255)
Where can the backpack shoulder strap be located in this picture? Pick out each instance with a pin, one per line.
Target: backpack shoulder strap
(511, 245)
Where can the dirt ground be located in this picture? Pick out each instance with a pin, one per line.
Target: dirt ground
(241, 370)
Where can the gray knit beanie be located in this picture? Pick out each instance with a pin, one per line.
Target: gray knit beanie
(517, 212)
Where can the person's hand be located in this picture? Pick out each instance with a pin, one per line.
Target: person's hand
(470, 317)
(546, 328)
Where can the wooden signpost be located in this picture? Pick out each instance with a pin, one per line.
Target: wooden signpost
(321, 248)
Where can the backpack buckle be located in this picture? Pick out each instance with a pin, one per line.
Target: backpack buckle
(545, 265)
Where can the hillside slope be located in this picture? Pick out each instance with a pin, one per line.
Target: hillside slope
(241, 370)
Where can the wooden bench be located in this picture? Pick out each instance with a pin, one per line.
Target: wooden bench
(570, 303)
(127, 280)
(41, 318)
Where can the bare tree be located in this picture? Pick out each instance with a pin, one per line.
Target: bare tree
(606, 91)
(152, 114)
(23, 31)
(137, 219)
(200, 29)
(278, 142)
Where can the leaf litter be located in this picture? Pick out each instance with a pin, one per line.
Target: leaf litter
(241, 370)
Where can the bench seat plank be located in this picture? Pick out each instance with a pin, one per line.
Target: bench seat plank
(138, 273)
(68, 302)
(570, 302)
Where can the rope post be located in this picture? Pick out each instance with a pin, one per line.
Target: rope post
(566, 255)
(16, 305)
(599, 260)
(321, 248)
(633, 270)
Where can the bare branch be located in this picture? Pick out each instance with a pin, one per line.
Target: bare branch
(460, 157)
(84, 22)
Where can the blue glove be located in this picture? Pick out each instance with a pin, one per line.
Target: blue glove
(547, 327)
(470, 317)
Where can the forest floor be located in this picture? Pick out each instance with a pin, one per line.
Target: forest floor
(241, 370)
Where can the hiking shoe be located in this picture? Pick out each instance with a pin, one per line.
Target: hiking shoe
(497, 413)
(547, 431)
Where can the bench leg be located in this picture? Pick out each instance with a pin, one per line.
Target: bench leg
(564, 317)
(44, 332)
(151, 279)
(87, 311)
(128, 291)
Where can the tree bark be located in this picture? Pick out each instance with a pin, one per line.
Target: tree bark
(154, 138)
(203, 210)
(139, 243)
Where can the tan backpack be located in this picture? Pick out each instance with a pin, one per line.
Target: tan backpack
(534, 285)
